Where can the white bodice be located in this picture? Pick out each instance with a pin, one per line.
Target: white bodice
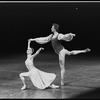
(29, 63)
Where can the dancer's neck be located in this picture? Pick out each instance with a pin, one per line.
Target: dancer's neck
(29, 55)
(55, 33)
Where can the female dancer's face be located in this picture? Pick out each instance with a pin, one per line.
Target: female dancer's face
(29, 51)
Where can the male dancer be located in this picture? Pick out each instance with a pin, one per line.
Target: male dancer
(55, 39)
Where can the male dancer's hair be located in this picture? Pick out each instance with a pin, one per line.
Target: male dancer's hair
(56, 26)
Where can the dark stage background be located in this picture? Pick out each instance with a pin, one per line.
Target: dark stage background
(21, 21)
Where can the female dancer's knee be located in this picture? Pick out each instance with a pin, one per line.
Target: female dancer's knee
(21, 76)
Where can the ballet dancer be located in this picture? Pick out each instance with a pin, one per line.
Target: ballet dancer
(55, 39)
(40, 79)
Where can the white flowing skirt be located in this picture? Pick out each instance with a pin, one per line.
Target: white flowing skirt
(41, 79)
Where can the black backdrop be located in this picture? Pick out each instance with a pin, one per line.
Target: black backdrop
(21, 21)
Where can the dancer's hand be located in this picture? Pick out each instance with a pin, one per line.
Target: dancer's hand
(41, 48)
(31, 39)
(72, 34)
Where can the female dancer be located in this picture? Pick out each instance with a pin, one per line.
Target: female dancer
(56, 38)
(39, 78)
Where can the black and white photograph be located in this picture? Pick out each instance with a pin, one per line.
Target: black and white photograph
(49, 49)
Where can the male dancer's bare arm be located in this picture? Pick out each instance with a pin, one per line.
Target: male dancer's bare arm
(66, 37)
(42, 40)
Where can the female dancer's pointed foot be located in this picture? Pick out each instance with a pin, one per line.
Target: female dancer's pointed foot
(54, 86)
(87, 50)
(24, 87)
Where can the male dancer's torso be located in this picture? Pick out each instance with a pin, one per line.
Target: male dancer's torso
(56, 44)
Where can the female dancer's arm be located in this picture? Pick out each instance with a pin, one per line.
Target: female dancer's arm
(42, 40)
(37, 52)
(66, 37)
(28, 44)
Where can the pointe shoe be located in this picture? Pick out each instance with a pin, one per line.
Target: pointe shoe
(87, 50)
(24, 87)
(54, 86)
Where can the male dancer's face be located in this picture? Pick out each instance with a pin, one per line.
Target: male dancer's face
(52, 29)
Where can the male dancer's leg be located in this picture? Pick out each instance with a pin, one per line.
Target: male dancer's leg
(62, 66)
(74, 52)
(62, 59)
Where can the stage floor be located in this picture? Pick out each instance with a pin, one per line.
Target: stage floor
(82, 78)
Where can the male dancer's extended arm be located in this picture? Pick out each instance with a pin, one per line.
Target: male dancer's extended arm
(42, 40)
(66, 37)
